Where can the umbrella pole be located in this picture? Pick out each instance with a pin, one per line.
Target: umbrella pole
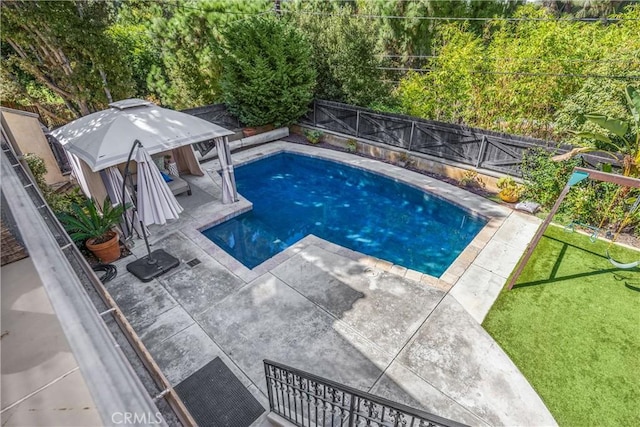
(157, 262)
(150, 259)
(124, 186)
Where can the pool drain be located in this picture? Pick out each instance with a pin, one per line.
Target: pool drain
(371, 272)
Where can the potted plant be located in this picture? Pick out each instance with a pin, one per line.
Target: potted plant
(510, 191)
(86, 224)
(313, 136)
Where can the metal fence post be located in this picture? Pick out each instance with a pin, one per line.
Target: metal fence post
(314, 113)
(483, 148)
(413, 126)
(269, 383)
(357, 123)
(352, 409)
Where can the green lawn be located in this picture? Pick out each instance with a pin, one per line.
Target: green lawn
(572, 326)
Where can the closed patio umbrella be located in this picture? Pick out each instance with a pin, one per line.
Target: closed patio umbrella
(155, 202)
(113, 184)
(229, 192)
(155, 205)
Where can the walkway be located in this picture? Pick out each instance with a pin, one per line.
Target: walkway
(336, 313)
(41, 382)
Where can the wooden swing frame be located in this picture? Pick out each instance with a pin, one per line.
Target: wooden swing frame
(578, 175)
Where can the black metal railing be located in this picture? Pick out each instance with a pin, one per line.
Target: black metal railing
(309, 401)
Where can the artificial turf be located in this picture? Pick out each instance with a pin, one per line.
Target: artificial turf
(572, 326)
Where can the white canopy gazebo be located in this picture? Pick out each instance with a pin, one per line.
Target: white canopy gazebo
(102, 141)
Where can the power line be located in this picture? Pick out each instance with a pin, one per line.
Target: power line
(451, 18)
(182, 5)
(411, 1)
(518, 73)
(496, 58)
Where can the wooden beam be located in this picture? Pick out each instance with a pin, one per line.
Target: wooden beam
(536, 239)
(622, 180)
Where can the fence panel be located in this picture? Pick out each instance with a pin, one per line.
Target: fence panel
(495, 151)
(394, 131)
(453, 143)
(503, 154)
(335, 117)
(216, 113)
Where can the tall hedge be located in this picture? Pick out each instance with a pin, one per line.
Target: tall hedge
(268, 75)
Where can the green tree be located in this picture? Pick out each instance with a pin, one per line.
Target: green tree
(190, 38)
(434, 95)
(619, 47)
(615, 135)
(63, 47)
(268, 75)
(345, 55)
(131, 32)
(406, 32)
(536, 76)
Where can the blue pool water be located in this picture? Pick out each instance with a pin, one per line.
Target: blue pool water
(295, 195)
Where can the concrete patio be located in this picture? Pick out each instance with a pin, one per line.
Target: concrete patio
(325, 309)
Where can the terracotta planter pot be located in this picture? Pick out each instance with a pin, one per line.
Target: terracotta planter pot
(106, 252)
(249, 131)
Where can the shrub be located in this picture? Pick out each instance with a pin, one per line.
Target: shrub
(509, 188)
(589, 202)
(471, 179)
(352, 145)
(313, 136)
(58, 202)
(268, 76)
(544, 179)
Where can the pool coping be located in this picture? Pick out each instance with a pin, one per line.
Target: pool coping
(494, 213)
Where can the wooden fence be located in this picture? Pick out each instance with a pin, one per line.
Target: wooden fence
(216, 113)
(495, 151)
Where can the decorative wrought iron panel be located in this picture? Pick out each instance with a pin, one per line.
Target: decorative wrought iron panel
(310, 401)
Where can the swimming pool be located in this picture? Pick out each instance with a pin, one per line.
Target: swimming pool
(294, 195)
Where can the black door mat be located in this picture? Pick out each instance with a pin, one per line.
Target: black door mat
(216, 398)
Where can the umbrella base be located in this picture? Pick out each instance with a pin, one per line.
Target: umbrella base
(147, 270)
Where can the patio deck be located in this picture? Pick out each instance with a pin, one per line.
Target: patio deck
(336, 313)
